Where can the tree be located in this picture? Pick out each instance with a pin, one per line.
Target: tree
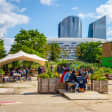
(54, 51)
(64, 52)
(89, 51)
(31, 41)
(2, 50)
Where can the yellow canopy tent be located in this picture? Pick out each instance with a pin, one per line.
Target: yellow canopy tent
(22, 56)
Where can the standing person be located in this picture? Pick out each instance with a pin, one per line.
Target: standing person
(24, 72)
(85, 78)
(91, 70)
(3, 78)
(51, 68)
(39, 70)
(43, 69)
(13, 74)
(27, 73)
(21, 72)
(58, 69)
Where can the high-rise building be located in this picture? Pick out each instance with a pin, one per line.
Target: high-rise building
(71, 26)
(97, 29)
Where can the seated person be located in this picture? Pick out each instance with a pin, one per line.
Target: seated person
(82, 82)
(73, 79)
(66, 78)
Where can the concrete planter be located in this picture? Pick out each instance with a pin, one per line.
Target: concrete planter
(100, 86)
(48, 85)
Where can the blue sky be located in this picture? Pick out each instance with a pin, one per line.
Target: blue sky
(45, 15)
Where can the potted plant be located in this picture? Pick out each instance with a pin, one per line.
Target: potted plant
(48, 82)
(99, 82)
(108, 73)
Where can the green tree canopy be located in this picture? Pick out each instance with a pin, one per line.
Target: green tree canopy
(54, 51)
(89, 51)
(2, 50)
(31, 41)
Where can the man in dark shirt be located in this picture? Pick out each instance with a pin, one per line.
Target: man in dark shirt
(73, 79)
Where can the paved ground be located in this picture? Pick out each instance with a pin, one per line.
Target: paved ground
(25, 87)
(88, 95)
(50, 103)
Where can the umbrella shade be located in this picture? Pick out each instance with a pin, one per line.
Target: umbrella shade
(22, 56)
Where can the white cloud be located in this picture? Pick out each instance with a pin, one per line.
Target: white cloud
(46, 2)
(23, 10)
(75, 8)
(82, 15)
(106, 9)
(103, 10)
(90, 15)
(109, 32)
(10, 16)
(8, 42)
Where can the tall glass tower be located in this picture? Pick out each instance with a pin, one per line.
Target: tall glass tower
(97, 29)
(71, 26)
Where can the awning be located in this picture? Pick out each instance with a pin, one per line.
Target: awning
(22, 56)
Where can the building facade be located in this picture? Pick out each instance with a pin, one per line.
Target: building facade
(71, 27)
(97, 29)
(68, 45)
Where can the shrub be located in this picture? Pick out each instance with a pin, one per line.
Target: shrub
(98, 76)
(44, 76)
(49, 75)
(107, 70)
(2, 71)
(56, 75)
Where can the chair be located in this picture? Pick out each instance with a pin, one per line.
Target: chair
(71, 86)
(89, 87)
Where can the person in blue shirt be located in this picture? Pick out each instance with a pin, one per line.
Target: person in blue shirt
(66, 79)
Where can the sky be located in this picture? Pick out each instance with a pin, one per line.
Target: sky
(45, 15)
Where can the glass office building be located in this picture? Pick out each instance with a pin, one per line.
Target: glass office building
(71, 26)
(97, 29)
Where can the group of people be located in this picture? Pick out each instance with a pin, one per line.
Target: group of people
(78, 79)
(41, 69)
(20, 72)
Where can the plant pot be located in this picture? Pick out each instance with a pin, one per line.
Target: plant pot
(48, 85)
(100, 86)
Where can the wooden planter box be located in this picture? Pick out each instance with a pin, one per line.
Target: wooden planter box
(100, 86)
(48, 85)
